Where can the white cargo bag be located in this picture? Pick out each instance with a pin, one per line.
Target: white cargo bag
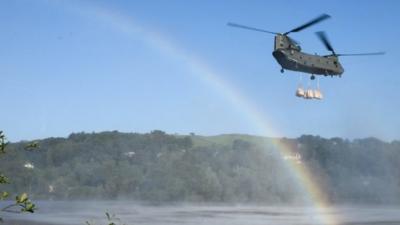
(300, 92)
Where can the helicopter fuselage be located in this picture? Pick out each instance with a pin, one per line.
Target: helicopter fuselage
(289, 55)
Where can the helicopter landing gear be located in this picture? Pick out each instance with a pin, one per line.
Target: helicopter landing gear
(312, 77)
(282, 70)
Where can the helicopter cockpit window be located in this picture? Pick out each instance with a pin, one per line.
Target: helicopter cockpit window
(295, 46)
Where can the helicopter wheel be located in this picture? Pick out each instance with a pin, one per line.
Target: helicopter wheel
(312, 77)
(282, 70)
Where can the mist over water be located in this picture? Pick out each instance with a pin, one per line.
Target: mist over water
(77, 212)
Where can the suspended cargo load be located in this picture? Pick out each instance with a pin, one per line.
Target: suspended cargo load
(309, 94)
(300, 92)
(318, 95)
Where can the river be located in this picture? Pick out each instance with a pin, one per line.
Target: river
(129, 213)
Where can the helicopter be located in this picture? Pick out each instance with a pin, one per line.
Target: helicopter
(289, 55)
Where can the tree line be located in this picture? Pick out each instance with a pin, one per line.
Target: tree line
(160, 167)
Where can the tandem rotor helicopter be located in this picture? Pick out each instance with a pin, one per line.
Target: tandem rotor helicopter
(289, 55)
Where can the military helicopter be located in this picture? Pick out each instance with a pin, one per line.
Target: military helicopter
(289, 55)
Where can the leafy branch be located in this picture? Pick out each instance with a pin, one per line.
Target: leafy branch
(22, 202)
(112, 219)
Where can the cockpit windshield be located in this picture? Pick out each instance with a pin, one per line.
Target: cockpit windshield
(294, 44)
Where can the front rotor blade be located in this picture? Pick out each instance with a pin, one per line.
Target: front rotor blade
(312, 22)
(250, 28)
(362, 54)
(322, 36)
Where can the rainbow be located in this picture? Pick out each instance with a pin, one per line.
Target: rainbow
(311, 189)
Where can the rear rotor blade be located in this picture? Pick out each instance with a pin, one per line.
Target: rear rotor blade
(362, 54)
(312, 22)
(322, 36)
(250, 28)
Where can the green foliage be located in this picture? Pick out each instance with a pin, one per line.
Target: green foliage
(32, 146)
(112, 219)
(3, 179)
(22, 202)
(158, 167)
(3, 143)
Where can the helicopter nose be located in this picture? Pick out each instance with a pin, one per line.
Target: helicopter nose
(278, 54)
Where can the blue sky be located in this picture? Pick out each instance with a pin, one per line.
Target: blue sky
(66, 68)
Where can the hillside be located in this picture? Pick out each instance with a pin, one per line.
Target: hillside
(158, 167)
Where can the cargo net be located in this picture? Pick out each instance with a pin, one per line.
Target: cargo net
(309, 93)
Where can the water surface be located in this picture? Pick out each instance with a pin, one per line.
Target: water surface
(130, 213)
